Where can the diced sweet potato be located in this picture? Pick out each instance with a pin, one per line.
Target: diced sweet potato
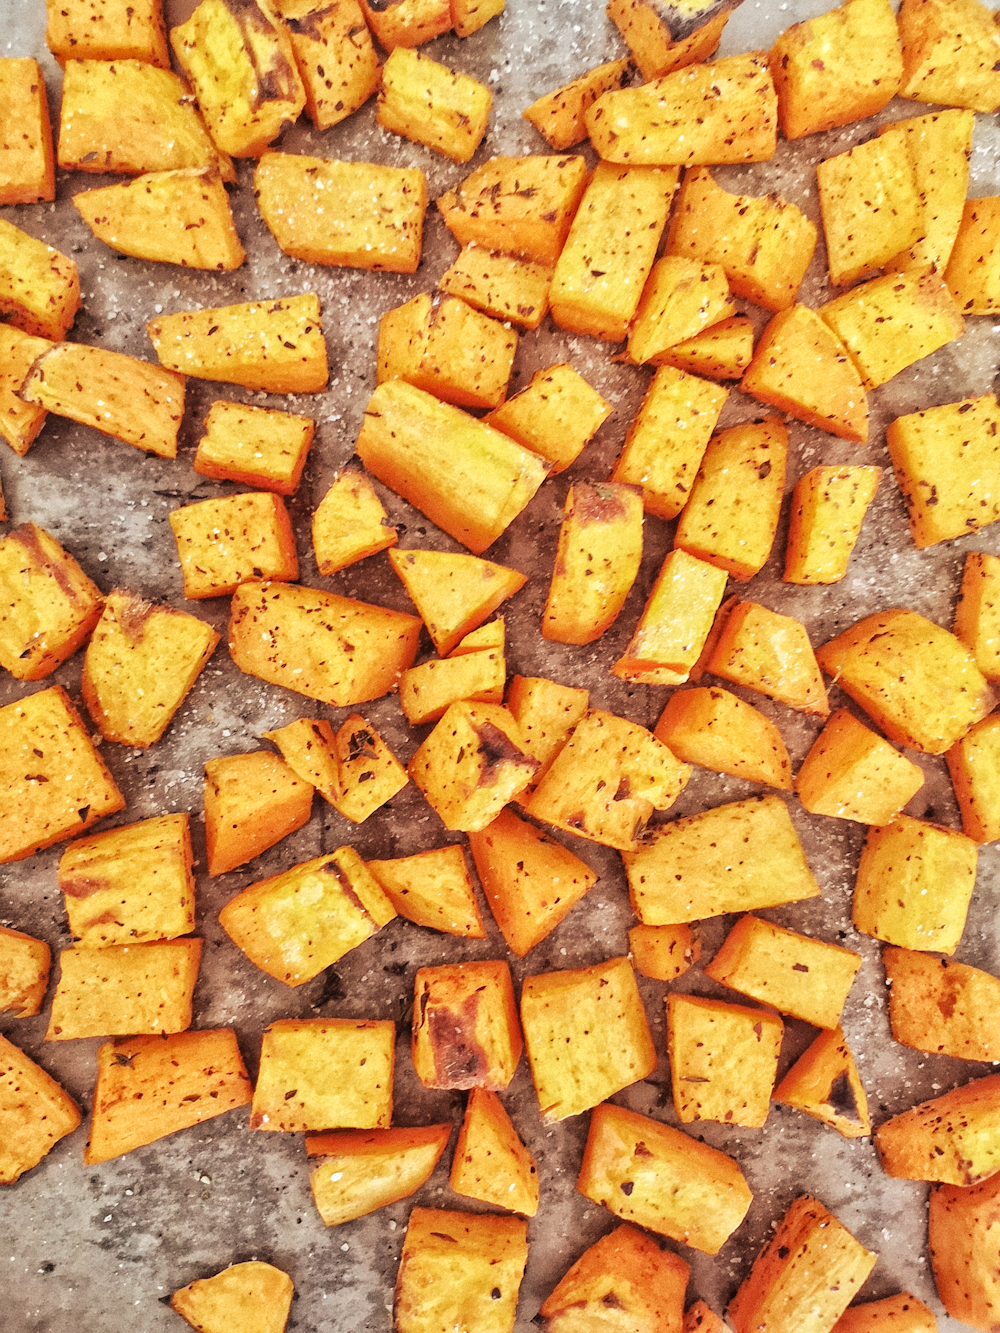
(723, 1060)
(357, 1171)
(448, 349)
(27, 169)
(252, 801)
(257, 446)
(718, 730)
(556, 415)
(34, 1110)
(124, 988)
(103, 30)
(39, 287)
(953, 1139)
(902, 1314)
(824, 1083)
(558, 116)
(339, 1072)
(973, 272)
(852, 773)
(491, 1163)
(406, 22)
(939, 146)
(625, 1271)
(942, 1007)
(664, 952)
(962, 1239)
(427, 691)
(24, 973)
(223, 543)
(951, 49)
(20, 422)
(243, 1295)
(665, 37)
(676, 620)
(546, 713)
(723, 352)
(771, 653)
(681, 298)
(454, 593)
(433, 889)
(350, 523)
(466, 1032)
(335, 56)
(828, 508)
(974, 766)
(977, 612)
(503, 286)
(433, 105)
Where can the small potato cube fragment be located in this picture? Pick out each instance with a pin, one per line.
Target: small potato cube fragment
(977, 614)
(252, 801)
(557, 415)
(682, 298)
(27, 171)
(842, 66)
(852, 773)
(491, 1163)
(126, 988)
(764, 244)
(35, 1113)
(427, 691)
(627, 1272)
(942, 1007)
(368, 773)
(728, 859)
(257, 446)
(103, 30)
(973, 272)
(805, 1276)
(181, 1079)
(345, 214)
(666, 37)
(335, 56)
(530, 881)
(24, 973)
(558, 116)
(350, 523)
(356, 1171)
(587, 1036)
(962, 1235)
(974, 765)
(546, 713)
(39, 287)
(252, 1297)
(723, 1060)
(130, 885)
(597, 560)
(951, 49)
(520, 205)
(407, 22)
(939, 146)
(140, 664)
(502, 286)
(953, 1139)
(664, 952)
(432, 104)
(53, 783)
(309, 748)
(335, 649)
(223, 543)
(914, 884)
(465, 1028)
(240, 63)
(20, 422)
(802, 368)
(916, 681)
(454, 593)
(325, 1073)
(725, 112)
(723, 352)
(902, 1314)
(460, 1269)
(660, 1178)
(824, 1083)
(828, 508)
(717, 730)
(276, 346)
(765, 651)
(48, 605)
(607, 780)
(677, 619)
(295, 924)
(433, 889)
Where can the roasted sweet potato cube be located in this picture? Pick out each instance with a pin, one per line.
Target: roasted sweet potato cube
(841, 66)
(520, 205)
(723, 1060)
(732, 858)
(132, 117)
(805, 1276)
(852, 773)
(433, 889)
(339, 1072)
(609, 253)
(903, 1314)
(181, 1079)
(725, 112)
(407, 22)
(915, 680)
(723, 352)
(49, 604)
(677, 618)
(448, 349)
(24, 973)
(764, 244)
(914, 884)
(252, 801)
(765, 651)
(660, 1178)
(427, 691)
(663, 952)
(39, 287)
(460, 1268)
(951, 49)
(102, 30)
(276, 346)
(587, 1036)
(433, 105)
(699, 1318)
(468, 16)
(368, 773)
(962, 1240)
(666, 37)
(556, 415)
(335, 55)
(546, 713)
(828, 508)
(141, 662)
(668, 438)
(607, 780)
(335, 649)
(241, 65)
(942, 1007)
(224, 542)
(124, 988)
(244, 1296)
(824, 1083)
(597, 560)
(624, 1271)
(357, 1171)
(466, 1032)
(27, 170)
(681, 298)
(491, 1163)
(486, 639)
(347, 214)
(973, 272)
(802, 368)
(453, 593)
(257, 446)
(35, 1113)
(309, 748)
(974, 766)
(952, 1139)
(350, 523)
(558, 116)
(131, 884)
(939, 146)
(718, 730)
(977, 612)
(20, 422)
(503, 286)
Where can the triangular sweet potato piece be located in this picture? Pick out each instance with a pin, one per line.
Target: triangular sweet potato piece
(361, 1170)
(247, 1298)
(625, 1272)
(824, 1083)
(454, 593)
(432, 889)
(493, 635)
(771, 653)
(491, 1163)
